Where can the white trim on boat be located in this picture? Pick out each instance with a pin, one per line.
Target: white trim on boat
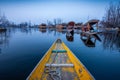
(59, 65)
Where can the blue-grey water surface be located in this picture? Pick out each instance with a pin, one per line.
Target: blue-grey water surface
(22, 49)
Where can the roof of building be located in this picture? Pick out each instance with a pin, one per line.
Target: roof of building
(92, 21)
(71, 23)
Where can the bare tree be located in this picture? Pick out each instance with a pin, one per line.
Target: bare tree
(112, 17)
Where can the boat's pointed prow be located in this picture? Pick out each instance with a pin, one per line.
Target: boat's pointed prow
(58, 40)
(59, 63)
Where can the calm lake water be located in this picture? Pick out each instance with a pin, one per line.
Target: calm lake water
(22, 49)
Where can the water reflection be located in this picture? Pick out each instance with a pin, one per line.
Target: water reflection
(27, 30)
(43, 30)
(89, 39)
(29, 49)
(63, 31)
(111, 40)
(4, 39)
(6, 35)
(70, 35)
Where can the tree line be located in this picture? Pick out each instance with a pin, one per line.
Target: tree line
(112, 16)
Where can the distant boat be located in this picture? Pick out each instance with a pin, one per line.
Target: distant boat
(59, 63)
(89, 26)
(71, 25)
(43, 26)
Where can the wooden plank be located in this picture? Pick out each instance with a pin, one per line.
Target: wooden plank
(59, 65)
(59, 51)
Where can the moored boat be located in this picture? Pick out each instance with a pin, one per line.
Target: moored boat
(59, 63)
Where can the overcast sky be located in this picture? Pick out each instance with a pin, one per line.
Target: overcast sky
(38, 11)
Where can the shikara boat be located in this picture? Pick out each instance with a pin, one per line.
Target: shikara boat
(59, 63)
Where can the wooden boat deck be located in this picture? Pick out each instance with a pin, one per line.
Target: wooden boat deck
(59, 63)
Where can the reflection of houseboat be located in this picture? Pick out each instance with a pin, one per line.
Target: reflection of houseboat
(97, 37)
(89, 39)
(92, 35)
(70, 35)
(43, 30)
(91, 26)
(3, 29)
(88, 42)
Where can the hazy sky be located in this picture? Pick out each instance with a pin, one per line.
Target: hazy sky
(38, 11)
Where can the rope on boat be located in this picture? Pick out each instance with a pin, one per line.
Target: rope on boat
(55, 74)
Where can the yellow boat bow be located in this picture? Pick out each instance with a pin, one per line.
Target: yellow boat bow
(59, 63)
